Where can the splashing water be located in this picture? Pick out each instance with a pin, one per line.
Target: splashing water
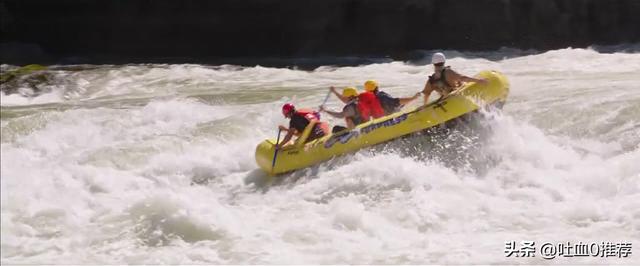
(154, 164)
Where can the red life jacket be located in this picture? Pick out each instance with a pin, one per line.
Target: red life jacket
(308, 114)
(369, 106)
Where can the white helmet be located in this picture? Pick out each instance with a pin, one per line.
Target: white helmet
(437, 58)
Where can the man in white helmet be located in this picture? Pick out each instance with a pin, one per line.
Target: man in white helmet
(444, 80)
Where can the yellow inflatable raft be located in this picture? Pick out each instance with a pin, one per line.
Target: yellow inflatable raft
(468, 98)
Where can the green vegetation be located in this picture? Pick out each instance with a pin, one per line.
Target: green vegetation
(28, 69)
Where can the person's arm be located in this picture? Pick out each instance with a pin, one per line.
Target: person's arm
(470, 79)
(332, 113)
(456, 76)
(286, 138)
(283, 128)
(427, 92)
(342, 98)
(404, 101)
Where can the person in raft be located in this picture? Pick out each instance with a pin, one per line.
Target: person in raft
(389, 104)
(350, 111)
(369, 106)
(444, 80)
(300, 119)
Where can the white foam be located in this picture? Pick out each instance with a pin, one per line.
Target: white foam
(154, 164)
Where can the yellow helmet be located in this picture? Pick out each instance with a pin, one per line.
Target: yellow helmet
(370, 85)
(349, 92)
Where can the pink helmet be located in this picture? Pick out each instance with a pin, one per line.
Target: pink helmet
(287, 108)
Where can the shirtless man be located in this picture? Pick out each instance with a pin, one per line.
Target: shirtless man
(444, 80)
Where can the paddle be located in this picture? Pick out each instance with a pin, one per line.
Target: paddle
(325, 99)
(275, 154)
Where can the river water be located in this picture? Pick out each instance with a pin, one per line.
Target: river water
(155, 164)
